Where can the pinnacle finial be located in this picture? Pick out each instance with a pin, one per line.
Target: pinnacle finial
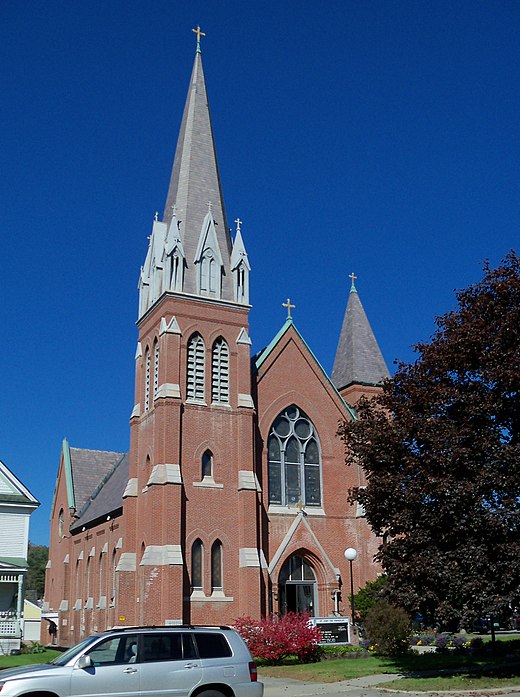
(239, 223)
(289, 307)
(353, 277)
(199, 34)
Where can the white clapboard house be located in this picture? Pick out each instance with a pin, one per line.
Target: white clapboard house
(16, 505)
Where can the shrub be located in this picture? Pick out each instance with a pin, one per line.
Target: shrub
(388, 628)
(275, 638)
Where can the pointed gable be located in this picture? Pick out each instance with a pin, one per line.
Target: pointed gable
(358, 357)
(13, 491)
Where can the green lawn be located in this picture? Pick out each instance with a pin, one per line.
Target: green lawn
(26, 659)
(412, 664)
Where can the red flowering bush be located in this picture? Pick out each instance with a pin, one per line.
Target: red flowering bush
(274, 638)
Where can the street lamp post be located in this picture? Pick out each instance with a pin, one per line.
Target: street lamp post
(351, 554)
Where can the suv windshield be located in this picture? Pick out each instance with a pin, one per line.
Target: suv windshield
(74, 651)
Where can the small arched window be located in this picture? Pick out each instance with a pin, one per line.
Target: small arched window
(197, 554)
(207, 465)
(147, 380)
(220, 372)
(216, 566)
(195, 369)
(114, 577)
(208, 273)
(155, 368)
(61, 523)
(101, 576)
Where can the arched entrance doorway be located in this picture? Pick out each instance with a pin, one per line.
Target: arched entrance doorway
(297, 587)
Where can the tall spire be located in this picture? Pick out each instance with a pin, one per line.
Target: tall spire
(358, 357)
(195, 183)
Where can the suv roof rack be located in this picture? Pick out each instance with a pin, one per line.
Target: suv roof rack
(132, 628)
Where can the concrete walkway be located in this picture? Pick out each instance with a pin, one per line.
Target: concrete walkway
(368, 686)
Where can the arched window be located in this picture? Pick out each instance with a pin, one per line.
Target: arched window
(195, 377)
(61, 523)
(197, 569)
(294, 460)
(114, 577)
(220, 372)
(208, 273)
(207, 465)
(216, 565)
(155, 368)
(101, 576)
(147, 380)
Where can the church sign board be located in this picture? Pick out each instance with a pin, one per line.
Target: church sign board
(334, 630)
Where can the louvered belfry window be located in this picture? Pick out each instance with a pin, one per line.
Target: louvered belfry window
(195, 376)
(147, 381)
(155, 368)
(220, 372)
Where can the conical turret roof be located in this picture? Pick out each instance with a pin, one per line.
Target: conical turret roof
(358, 357)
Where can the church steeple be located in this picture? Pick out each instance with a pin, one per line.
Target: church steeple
(197, 244)
(359, 360)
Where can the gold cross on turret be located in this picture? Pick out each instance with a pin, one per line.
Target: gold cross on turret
(289, 307)
(199, 34)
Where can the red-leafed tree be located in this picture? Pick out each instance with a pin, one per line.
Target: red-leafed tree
(440, 448)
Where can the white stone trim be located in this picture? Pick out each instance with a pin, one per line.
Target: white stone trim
(89, 605)
(136, 411)
(162, 555)
(64, 606)
(131, 488)
(48, 564)
(248, 556)
(66, 558)
(119, 543)
(165, 474)
(248, 480)
(92, 552)
(105, 548)
(77, 604)
(293, 511)
(102, 604)
(168, 389)
(80, 557)
(138, 351)
(171, 327)
(127, 562)
(243, 337)
(208, 483)
(245, 400)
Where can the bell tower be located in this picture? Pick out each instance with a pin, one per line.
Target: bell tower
(191, 506)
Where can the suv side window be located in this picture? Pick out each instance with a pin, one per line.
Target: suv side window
(212, 645)
(171, 646)
(114, 650)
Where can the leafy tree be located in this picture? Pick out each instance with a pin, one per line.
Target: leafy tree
(388, 628)
(37, 557)
(440, 448)
(369, 595)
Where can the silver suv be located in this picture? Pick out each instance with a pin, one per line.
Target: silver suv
(184, 661)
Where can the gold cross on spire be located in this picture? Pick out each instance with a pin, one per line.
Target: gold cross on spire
(289, 307)
(352, 277)
(199, 34)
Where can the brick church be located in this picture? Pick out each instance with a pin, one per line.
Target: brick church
(232, 500)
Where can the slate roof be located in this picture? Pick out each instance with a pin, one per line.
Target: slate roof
(195, 181)
(107, 496)
(89, 469)
(358, 357)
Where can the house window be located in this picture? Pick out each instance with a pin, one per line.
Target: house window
(155, 368)
(147, 381)
(197, 550)
(220, 372)
(294, 460)
(195, 377)
(207, 465)
(216, 566)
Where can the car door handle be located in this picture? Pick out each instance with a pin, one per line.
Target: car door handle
(130, 670)
(191, 665)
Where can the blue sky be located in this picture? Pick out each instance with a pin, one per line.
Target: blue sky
(377, 137)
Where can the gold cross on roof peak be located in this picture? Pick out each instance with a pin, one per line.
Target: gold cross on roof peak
(289, 307)
(199, 34)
